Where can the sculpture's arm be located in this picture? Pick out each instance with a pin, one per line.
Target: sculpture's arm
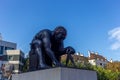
(62, 50)
(49, 52)
(70, 51)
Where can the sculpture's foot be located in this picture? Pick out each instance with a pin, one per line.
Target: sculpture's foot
(59, 65)
(44, 66)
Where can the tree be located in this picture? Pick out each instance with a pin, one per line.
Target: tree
(26, 65)
(114, 66)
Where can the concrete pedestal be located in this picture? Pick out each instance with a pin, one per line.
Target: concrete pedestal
(58, 73)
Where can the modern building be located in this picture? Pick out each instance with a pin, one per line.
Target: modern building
(4, 45)
(15, 57)
(96, 59)
(9, 54)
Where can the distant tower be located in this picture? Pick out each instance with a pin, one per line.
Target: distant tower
(89, 53)
(77, 53)
(0, 36)
(111, 60)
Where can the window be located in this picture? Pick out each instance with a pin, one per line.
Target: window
(21, 59)
(5, 58)
(101, 59)
(16, 66)
(1, 49)
(8, 48)
(97, 58)
(10, 58)
(16, 57)
(101, 64)
(13, 57)
(78, 61)
(20, 67)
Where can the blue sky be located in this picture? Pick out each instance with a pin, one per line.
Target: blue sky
(91, 24)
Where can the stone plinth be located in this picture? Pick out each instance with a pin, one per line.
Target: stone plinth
(59, 73)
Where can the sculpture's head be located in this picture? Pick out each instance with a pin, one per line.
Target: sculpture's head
(60, 33)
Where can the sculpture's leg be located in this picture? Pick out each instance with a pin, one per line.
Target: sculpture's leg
(33, 60)
(69, 51)
(41, 59)
(48, 60)
(38, 50)
(52, 56)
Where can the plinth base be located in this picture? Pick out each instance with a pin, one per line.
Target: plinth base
(59, 73)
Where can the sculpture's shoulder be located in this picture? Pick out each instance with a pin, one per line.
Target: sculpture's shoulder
(43, 33)
(46, 31)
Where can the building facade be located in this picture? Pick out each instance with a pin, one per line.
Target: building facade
(96, 59)
(16, 58)
(9, 54)
(4, 45)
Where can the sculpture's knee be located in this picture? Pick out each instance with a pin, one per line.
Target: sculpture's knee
(36, 44)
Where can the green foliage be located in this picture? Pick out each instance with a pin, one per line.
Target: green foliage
(26, 65)
(114, 66)
(86, 66)
(102, 74)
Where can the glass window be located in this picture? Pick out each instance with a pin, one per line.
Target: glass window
(13, 57)
(8, 48)
(16, 57)
(21, 59)
(5, 58)
(101, 59)
(97, 58)
(101, 64)
(1, 49)
(10, 58)
(16, 66)
(20, 67)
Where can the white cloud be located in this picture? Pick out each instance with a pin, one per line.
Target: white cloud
(114, 34)
(115, 46)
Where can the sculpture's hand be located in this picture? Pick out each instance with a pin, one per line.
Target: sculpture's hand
(58, 64)
(70, 50)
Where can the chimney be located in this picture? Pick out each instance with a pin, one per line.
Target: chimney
(81, 54)
(96, 53)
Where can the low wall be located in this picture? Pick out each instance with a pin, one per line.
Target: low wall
(58, 73)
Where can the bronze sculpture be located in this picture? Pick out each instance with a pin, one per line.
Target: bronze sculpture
(47, 47)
